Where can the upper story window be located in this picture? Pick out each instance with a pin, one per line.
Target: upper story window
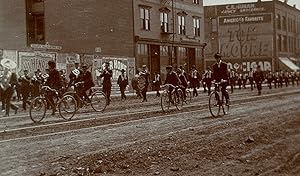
(196, 22)
(142, 49)
(35, 21)
(196, 1)
(283, 23)
(145, 17)
(164, 21)
(181, 24)
(278, 21)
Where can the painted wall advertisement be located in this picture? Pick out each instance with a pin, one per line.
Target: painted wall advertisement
(245, 8)
(66, 62)
(116, 65)
(32, 61)
(245, 40)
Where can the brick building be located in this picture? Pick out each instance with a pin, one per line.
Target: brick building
(169, 32)
(92, 31)
(265, 33)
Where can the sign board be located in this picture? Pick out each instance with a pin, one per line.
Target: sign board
(246, 19)
(32, 61)
(98, 49)
(245, 8)
(45, 47)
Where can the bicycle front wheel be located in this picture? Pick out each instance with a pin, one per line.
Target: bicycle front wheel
(67, 107)
(164, 101)
(188, 98)
(178, 99)
(37, 109)
(214, 104)
(99, 101)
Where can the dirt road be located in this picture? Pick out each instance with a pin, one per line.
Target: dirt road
(256, 138)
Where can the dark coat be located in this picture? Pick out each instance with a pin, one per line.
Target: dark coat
(195, 79)
(54, 80)
(106, 75)
(220, 72)
(157, 82)
(122, 82)
(87, 79)
(258, 76)
(25, 87)
(172, 78)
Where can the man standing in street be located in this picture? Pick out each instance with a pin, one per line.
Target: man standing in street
(208, 79)
(250, 77)
(25, 88)
(145, 75)
(259, 78)
(123, 82)
(106, 75)
(157, 83)
(195, 80)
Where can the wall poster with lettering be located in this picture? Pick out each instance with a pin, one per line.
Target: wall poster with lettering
(116, 64)
(32, 61)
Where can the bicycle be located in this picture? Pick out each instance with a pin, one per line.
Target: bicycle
(40, 105)
(189, 96)
(216, 103)
(174, 97)
(98, 100)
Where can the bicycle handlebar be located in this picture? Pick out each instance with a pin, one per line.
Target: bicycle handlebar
(168, 85)
(48, 88)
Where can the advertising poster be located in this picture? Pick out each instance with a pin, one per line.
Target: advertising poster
(66, 62)
(116, 65)
(32, 61)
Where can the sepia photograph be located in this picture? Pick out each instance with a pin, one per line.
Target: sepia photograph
(150, 87)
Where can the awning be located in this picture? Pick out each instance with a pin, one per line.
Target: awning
(293, 59)
(286, 61)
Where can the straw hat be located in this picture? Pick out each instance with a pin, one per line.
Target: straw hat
(7, 63)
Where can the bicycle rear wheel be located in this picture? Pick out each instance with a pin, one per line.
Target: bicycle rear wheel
(188, 98)
(99, 101)
(226, 108)
(178, 99)
(37, 109)
(214, 104)
(67, 107)
(164, 101)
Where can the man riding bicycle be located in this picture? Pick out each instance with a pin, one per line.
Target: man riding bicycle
(86, 80)
(173, 79)
(220, 74)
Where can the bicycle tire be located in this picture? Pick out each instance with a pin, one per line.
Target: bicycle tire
(99, 101)
(189, 96)
(37, 109)
(164, 101)
(178, 99)
(225, 107)
(67, 107)
(214, 104)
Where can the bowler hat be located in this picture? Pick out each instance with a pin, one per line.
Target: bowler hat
(122, 70)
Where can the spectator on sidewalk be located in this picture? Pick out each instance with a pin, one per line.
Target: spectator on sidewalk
(123, 82)
(259, 78)
(106, 75)
(156, 83)
(25, 88)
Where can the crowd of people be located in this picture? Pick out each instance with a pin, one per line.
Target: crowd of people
(26, 87)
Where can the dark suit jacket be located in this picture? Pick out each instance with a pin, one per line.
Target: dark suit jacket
(87, 79)
(220, 72)
(106, 74)
(54, 80)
